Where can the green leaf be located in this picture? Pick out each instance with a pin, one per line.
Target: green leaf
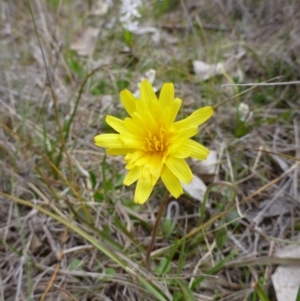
(163, 267)
(75, 264)
(93, 179)
(167, 223)
(221, 237)
(127, 35)
(74, 63)
(122, 84)
(118, 180)
(100, 88)
(260, 98)
(110, 272)
(241, 129)
(98, 197)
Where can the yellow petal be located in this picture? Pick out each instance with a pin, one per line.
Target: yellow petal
(179, 151)
(179, 135)
(146, 120)
(180, 169)
(175, 108)
(116, 123)
(196, 150)
(157, 111)
(189, 132)
(188, 148)
(195, 119)
(119, 151)
(128, 100)
(165, 118)
(131, 141)
(147, 92)
(143, 189)
(108, 140)
(132, 158)
(166, 96)
(142, 105)
(133, 175)
(135, 156)
(155, 164)
(134, 128)
(171, 182)
(143, 160)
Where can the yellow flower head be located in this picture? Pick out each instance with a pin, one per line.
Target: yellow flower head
(153, 143)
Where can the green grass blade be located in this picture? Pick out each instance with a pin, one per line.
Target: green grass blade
(153, 290)
(124, 263)
(298, 295)
(187, 292)
(260, 292)
(216, 268)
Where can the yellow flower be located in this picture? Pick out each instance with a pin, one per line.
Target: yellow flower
(153, 143)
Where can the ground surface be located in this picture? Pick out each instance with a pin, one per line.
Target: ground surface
(69, 229)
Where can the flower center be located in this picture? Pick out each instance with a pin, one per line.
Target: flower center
(156, 142)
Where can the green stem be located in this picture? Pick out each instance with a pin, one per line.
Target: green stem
(155, 228)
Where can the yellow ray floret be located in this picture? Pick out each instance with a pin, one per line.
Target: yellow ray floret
(153, 144)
